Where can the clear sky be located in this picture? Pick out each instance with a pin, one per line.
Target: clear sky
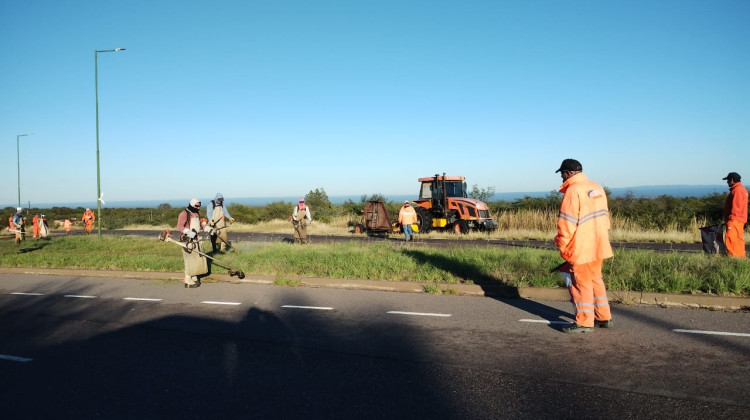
(279, 97)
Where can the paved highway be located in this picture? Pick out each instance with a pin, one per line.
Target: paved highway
(79, 347)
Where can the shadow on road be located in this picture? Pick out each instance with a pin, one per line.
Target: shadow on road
(493, 287)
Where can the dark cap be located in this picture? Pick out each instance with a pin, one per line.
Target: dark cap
(734, 176)
(570, 165)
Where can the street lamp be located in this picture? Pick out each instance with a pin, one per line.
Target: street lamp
(18, 156)
(98, 179)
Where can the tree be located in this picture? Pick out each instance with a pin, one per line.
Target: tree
(482, 194)
(320, 205)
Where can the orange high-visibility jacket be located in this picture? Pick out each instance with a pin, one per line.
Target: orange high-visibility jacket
(407, 216)
(88, 217)
(583, 222)
(735, 208)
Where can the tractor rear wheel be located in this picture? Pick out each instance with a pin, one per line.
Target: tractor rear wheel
(358, 228)
(424, 220)
(461, 227)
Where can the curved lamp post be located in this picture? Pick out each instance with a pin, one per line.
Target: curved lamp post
(18, 156)
(98, 179)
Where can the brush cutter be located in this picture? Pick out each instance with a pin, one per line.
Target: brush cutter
(166, 236)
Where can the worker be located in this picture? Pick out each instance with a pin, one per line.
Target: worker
(88, 220)
(301, 218)
(188, 223)
(217, 216)
(583, 239)
(35, 226)
(17, 224)
(735, 216)
(407, 216)
(67, 224)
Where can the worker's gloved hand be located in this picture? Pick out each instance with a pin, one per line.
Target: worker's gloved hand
(231, 220)
(190, 233)
(208, 229)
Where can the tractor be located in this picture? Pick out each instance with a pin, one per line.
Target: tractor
(443, 204)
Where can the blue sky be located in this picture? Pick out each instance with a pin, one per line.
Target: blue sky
(277, 98)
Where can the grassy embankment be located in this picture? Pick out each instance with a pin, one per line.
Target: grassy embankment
(629, 270)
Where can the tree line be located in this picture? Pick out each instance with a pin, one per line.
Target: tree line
(663, 212)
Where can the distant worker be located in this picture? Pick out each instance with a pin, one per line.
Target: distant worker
(88, 219)
(189, 224)
(217, 216)
(17, 224)
(583, 239)
(67, 224)
(35, 226)
(301, 218)
(735, 216)
(407, 216)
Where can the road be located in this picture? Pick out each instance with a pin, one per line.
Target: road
(84, 347)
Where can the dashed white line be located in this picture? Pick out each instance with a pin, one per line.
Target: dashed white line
(417, 313)
(27, 294)
(211, 302)
(143, 299)
(544, 321)
(319, 308)
(15, 358)
(80, 296)
(711, 332)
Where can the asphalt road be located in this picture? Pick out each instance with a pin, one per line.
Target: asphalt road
(78, 347)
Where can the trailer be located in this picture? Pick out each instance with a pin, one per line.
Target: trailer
(376, 221)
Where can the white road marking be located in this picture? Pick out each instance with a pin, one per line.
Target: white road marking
(417, 313)
(27, 294)
(80, 296)
(544, 321)
(211, 302)
(711, 332)
(14, 358)
(319, 308)
(143, 299)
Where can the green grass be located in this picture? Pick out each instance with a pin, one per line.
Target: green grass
(628, 270)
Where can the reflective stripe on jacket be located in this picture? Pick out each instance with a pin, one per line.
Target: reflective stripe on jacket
(583, 222)
(735, 208)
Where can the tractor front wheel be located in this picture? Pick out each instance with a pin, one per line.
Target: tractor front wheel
(358, 228)
(461, 227)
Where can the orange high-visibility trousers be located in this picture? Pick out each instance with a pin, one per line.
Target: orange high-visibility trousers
(734, 239)
(589, 294)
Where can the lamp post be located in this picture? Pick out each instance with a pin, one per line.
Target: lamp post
(98, 178)
(18, 156)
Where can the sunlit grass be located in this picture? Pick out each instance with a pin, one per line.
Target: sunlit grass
(390, 261)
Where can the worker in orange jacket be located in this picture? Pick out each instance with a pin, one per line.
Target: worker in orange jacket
(583, 239)
(35, 226)
(407, 216)
(735, 216)
(88, 218)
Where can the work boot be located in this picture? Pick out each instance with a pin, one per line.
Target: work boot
(604, 324)
(575, 328)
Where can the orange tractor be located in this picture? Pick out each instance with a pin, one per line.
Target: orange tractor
(443, 204)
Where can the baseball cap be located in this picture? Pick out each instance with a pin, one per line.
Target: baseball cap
(570, 165)
(406, 201)
(734, 176)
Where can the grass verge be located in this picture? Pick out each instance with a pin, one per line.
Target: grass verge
(628, 271)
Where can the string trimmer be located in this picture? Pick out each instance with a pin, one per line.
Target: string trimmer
(166, 236)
